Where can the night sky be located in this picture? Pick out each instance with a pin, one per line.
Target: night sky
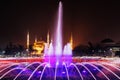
(88, 21)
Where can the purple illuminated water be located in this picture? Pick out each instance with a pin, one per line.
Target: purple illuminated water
(74, 71)
(55, 54)
(58, 38)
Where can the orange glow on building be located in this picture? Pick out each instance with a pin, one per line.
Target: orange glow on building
(38, 47)
(28, 41)
(71, 41)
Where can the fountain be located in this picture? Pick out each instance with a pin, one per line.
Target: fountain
(58, 64)
(54, 54)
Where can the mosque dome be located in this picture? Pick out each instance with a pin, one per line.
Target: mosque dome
(107, 40)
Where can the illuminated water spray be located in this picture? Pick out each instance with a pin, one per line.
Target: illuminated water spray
(55, 54)
(58, 37)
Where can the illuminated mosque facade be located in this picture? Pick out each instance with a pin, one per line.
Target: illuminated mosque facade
(39, 45)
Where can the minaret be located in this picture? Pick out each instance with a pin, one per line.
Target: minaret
(35, 39)
(71, 41)
(48, 38)
(28, 41)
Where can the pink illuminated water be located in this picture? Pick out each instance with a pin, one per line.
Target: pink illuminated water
(58, 38)
(55, 54)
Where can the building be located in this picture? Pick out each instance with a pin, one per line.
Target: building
(109, 47)
(38, 47)
(71, 41)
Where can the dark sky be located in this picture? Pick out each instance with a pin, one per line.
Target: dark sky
(88, 21)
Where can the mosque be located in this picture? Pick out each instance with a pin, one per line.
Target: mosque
(39, 45)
